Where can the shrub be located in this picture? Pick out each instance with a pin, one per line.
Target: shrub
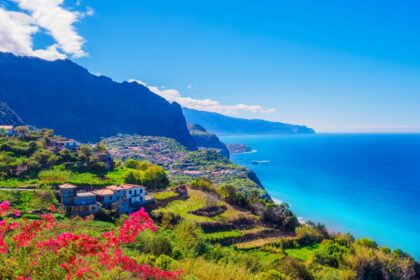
(274, 275)
(308, 235)
(165, 262)
(204, 185)
(190, 238)
(45, 249)
(54, 176)
(330, 253)
(368, 243)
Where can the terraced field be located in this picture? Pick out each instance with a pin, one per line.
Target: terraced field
(197, 200)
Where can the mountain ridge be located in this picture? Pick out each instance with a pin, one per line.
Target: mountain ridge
(75, 103)
(220, 124)
(207, 140)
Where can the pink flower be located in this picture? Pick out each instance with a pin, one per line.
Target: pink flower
(52, 208)
(4, 207)
(17, 213)
(3, 245)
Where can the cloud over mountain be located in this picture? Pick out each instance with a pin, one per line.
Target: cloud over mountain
(209, 105)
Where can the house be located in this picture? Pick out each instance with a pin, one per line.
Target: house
(70, 144)
(134, 193)
(119, 192)
(67, 193)
(8, 129)
(78, 203)
(105, 196)
(125, 198)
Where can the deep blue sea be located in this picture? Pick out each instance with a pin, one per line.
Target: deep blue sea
(366, 184)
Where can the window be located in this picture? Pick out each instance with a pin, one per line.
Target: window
(129, 191)
(141, 190)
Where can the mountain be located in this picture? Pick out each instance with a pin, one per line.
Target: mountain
(8, 116)
(221, 124)
(75, 103)
(207, 140)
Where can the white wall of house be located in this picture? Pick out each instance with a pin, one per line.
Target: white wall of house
(135, 194)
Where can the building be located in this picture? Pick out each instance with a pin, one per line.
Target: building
(67, 193)
(134, 193)
(69, 144)
(126, 198)
(78, 203)
(105, 196)
(119, 192)
(8, 129)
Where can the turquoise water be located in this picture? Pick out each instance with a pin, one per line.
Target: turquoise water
(368, 185)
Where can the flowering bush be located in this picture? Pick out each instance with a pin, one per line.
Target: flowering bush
(45, 249)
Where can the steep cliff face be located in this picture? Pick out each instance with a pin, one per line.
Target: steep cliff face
(66, 97)
(8, 116)
(207, 140)
(221, 124)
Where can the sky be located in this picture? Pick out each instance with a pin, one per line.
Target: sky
(336, 66)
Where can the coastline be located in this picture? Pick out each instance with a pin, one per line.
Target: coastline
(343, 204)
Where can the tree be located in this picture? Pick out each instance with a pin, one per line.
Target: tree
(273, 275)
(331, 253)
(134, 177)
(155, 177)
(22, 131)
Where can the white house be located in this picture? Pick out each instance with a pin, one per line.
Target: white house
(119, 192)
(8, 129)
(134, 193)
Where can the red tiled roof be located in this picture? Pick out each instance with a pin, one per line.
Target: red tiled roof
(130, 186)
(67, 186)
(114, 188)
(103, 192)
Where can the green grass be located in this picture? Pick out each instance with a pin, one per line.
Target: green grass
(165, 195)
(115, 177)
(257, 243)
(196, 201)
(16, 183)
(303, 253)
(221, 235)
(29, 200)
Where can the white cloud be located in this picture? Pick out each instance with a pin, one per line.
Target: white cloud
(90, 11)
(209, 105)
(17, 29)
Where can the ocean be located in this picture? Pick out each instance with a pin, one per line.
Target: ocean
(365, 184)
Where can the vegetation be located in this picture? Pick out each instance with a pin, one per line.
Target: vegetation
(220, 230)
(35, 158)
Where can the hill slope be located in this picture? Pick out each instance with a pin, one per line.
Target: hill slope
(207, 140)
(221, 124)
(66, 97)
(8, 116)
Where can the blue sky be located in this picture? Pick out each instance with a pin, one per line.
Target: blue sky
(333, 65)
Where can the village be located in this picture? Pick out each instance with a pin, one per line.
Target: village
(180, 163)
